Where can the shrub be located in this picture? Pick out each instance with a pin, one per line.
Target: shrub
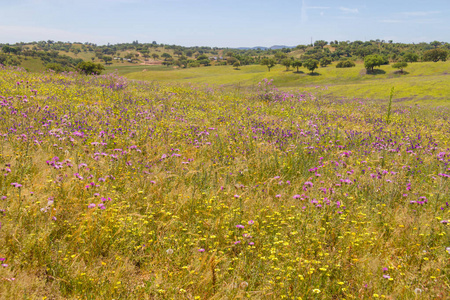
(345, 64)
(90, 68)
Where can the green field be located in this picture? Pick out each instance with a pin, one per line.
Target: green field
(426, 82)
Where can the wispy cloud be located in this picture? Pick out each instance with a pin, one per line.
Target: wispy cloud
(349, 10)
(304, 12)
(420, 13)
(318, 7)
(305, 8)
(390, 21)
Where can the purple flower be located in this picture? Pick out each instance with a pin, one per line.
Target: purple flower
(92, 205)
(240, 226)
(251, 222)
(201, 250)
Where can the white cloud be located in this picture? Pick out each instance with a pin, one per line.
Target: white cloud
(349, 10)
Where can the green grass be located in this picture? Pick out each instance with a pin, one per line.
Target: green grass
(33, 65)
(127, 68)
(422, 81)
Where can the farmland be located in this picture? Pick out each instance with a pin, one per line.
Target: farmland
(124, 189)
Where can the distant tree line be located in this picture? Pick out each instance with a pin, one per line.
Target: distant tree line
(321, 53)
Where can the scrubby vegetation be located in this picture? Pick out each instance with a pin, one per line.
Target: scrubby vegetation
(141, 190)
(68, 55)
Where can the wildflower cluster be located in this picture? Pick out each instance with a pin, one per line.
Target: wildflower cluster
(139, 190)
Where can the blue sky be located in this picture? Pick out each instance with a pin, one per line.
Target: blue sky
(230, 23)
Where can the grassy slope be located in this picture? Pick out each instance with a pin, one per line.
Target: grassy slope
(422, 80)
(33, 65)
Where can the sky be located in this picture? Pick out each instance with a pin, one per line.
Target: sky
(218, 23)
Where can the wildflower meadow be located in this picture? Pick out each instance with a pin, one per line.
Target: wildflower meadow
(120, 189)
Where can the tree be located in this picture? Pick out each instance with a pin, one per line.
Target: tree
(155, 56)
(231, 60)
(189, 53)
(166, 56)
(89, 68)
(236, 65)
(204, 60)
(279, 56)
(107, 59)
(435, 55)
(435, 44)
(296, 64)
(287, 63)
(410, 57)
(145, 53)
(320, 43)
(129, 56)
(301, 47)
(311, 64)
(269, 62)
(325, 61)
(168, 62)
(400, 65)
(372, 61)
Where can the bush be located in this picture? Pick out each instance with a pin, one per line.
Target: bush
(435, 55)
(410, 57)
(194, 64)
(58, 68)
(345, 64)
(90, 68)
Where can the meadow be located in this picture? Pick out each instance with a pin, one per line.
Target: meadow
(114, 188)
(424, 82)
